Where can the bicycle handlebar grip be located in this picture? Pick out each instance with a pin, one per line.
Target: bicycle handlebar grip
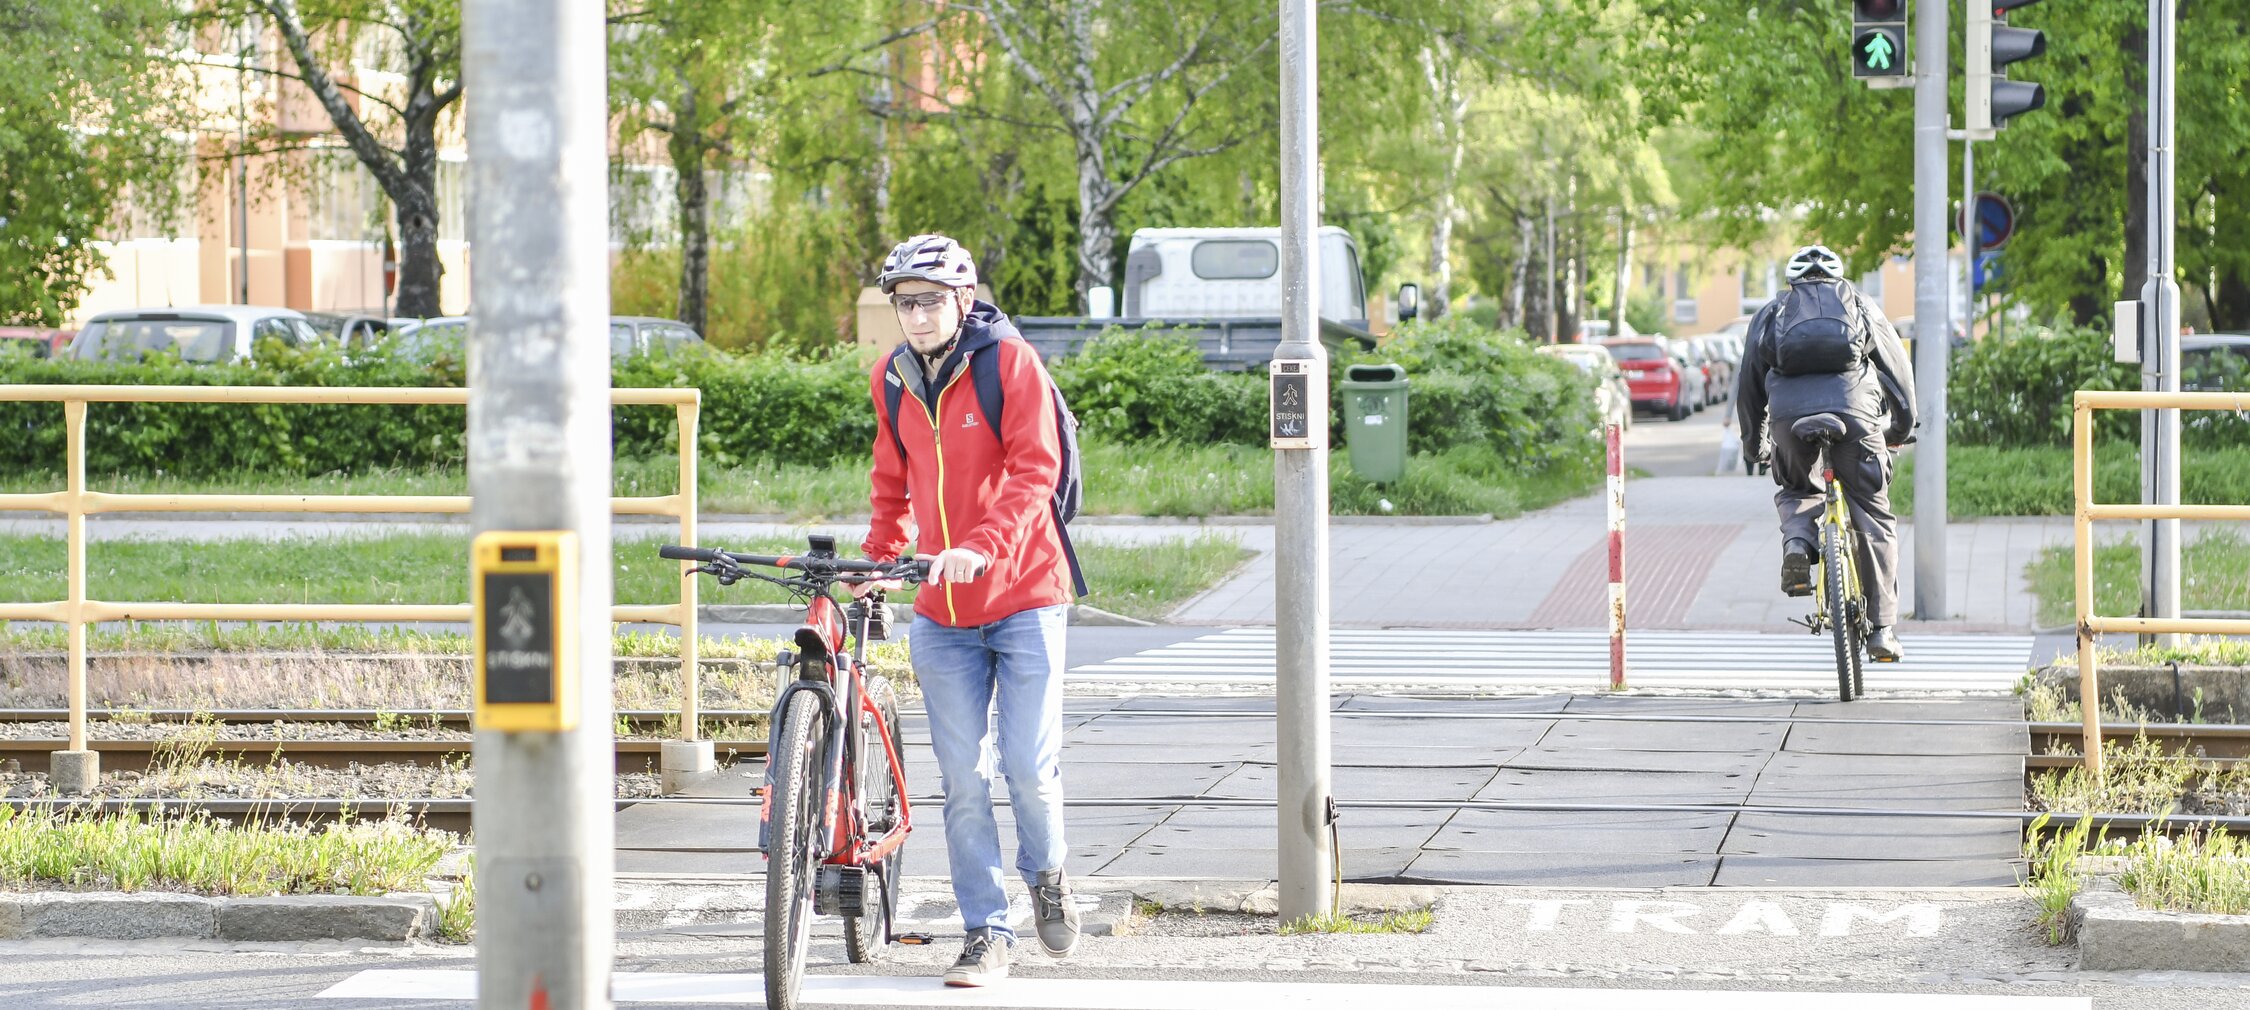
(675, 552)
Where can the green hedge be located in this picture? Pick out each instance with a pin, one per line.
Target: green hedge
(1472, 388)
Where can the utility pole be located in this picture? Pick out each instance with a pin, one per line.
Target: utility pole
(1306, 813)
(539, 460)
(242, 161)
(1932, 307)
(2160, 308)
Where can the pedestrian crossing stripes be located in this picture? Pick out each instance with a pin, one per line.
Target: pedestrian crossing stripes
(1666, 659)
(748, 989)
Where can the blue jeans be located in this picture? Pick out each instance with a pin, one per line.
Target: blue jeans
(1018, 661)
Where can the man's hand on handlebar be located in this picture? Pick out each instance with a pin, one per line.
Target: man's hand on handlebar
(955, 564)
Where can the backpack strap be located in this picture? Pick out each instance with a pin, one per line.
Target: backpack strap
(894, 396)
(984, 374)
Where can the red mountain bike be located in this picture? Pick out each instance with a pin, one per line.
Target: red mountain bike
(835, 813)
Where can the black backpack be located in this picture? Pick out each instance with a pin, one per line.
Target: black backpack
(984, 376)
(1820, 329)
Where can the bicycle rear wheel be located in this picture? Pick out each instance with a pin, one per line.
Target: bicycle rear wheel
(864, 935)
(793, 859)
(1843, 625)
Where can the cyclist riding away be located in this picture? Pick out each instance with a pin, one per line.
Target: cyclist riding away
(969, 451)
(1823, 347)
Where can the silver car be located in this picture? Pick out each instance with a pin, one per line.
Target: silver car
(204, 334)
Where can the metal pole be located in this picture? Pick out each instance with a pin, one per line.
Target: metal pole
(1932, 308)
(1969, 229)
(1303, 817)
(2162, 296)
(1616, 439)
(539, 459)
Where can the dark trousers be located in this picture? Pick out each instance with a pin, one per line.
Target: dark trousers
(1863, 466)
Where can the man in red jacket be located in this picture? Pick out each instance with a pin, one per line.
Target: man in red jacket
(976, 492)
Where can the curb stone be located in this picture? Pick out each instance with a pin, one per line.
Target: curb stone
(110, 915)
(1263, 898)
(2116, 934)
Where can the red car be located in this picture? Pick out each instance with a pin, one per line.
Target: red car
(38, 342)
(1653, 376)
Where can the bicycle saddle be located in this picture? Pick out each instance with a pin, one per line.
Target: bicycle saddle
(1824, 429)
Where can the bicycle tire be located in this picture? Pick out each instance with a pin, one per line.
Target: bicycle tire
(793, 860)
(1860, 623)
(1840, 623)
(865, 935)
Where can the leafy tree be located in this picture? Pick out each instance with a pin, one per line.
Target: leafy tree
(83, 104)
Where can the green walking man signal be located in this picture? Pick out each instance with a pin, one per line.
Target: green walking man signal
(1879, 38)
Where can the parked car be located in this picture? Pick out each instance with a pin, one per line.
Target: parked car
(1718, 367)
(1905, 327)
(350, 330)
(206, 334)
(631, 335)
(1611, 393)
(2215, 362)
(33, 341)
(1656, 380)
(1594, 331)
(628, 336)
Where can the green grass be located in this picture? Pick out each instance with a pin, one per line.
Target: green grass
(47, 849)
(2195, 873)
(1121, 479)
(2139, 777)
(457, 912)
(1140, 580)
(2215, 576)
(1983, 480)
(1416, 921)
(2053, 878)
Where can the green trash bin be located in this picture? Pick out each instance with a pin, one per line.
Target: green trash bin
(1375, 421)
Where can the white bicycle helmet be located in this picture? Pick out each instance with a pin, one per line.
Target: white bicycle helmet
(933, 258)
(1815, 259)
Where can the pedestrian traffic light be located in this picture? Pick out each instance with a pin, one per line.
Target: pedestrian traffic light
(1992, 98)
(1879, 38)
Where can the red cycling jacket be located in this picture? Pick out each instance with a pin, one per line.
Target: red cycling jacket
(959, 486)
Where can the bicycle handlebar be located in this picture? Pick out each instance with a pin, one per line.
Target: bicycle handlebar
(841, 569)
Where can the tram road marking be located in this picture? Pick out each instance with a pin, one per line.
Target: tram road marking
(748, 989)
(1626, 915)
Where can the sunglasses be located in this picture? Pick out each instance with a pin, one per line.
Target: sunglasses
(928, 301)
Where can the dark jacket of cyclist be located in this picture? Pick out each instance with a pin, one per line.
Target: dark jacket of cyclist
(1823, 347)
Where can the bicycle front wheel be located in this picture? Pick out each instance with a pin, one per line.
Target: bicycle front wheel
(793, 855)
(865, 935)
(1843, 625)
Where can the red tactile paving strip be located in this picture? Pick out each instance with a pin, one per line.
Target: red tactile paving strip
(1664, 568)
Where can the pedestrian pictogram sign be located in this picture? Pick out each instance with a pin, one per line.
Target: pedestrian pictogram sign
(1299, 401)
(526, 674)
(1879, 38)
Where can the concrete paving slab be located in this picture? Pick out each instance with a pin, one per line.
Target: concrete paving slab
(1143, 780)
(1421, 782)
(1578, 759)
(1439, 705)
(1607, 833)
(1562, 869)
(1376, 755)
(1246, 864)
(1940, 767)
(1890, 738)
(687, 824)
(1816, 837)
(1611, 705)
(1785, 871)
(2007, 709)
(1890, 792)
(1207, 827)
(1616, 787)
(1133, 753)
(1661, 736)
(1428, 732)
(1172, 731)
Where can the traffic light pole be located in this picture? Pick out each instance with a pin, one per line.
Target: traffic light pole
(2160, 301)
(1932, 307)
(539, 460)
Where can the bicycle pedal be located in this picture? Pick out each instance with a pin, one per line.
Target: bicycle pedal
(914, 939)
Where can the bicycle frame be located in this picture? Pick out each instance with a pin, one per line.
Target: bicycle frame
(1836, 512)
(844, 838)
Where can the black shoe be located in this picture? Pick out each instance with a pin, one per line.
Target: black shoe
(983, 960)
(1883, 647)
(1055, 914)
(1796, 568)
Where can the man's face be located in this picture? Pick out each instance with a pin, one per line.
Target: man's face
(927, 329)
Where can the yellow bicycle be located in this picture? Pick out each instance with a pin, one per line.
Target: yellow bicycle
(1839, 601)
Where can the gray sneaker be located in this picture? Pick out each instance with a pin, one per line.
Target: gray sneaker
(1056, 915)
(983, 960)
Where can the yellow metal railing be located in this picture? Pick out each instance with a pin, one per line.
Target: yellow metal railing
(75, 502)
(2088, 512)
